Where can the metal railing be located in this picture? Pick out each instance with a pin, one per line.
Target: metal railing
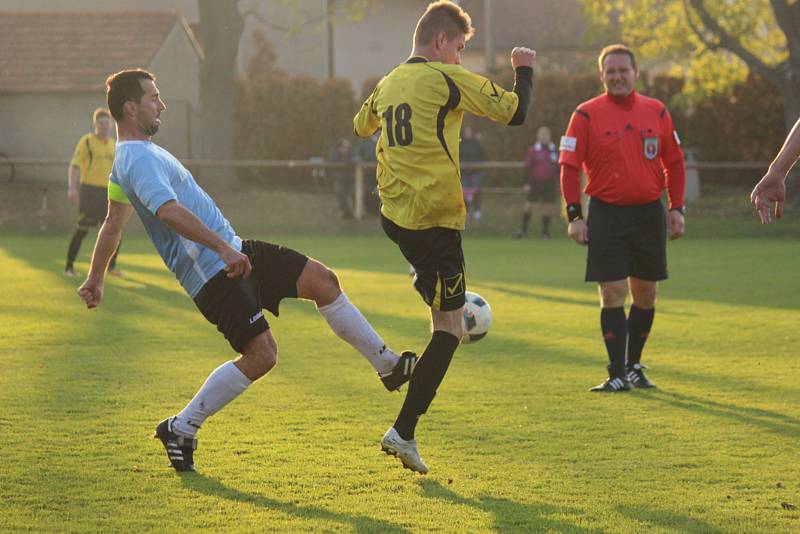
(8, 169)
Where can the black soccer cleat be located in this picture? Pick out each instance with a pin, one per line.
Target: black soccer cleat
(180, 449)
(401, 372)
(636, 376)
(613, 385)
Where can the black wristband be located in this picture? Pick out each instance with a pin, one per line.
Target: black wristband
(574, 212)
(680, 209)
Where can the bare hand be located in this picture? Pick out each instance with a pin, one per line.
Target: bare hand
(236, 263)
(72, 195)
(771, 190)
(578, 231)
(91, 292)
(522, 57)
(675, 224)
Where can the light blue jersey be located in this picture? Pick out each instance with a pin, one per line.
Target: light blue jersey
(149, 177)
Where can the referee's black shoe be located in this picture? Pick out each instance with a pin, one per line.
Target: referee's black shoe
(636, 376)
(401, 372)
(613, 384)
(180, 449)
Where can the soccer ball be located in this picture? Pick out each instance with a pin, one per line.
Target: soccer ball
(477, 317)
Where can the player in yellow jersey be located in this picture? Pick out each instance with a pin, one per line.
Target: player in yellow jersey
(419, 107)
(90, 166)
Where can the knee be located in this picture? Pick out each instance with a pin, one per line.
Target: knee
(613, 296)
(644, 298)
(318, 283)
(451, 322)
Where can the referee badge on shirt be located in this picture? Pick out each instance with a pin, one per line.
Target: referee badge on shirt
(651, 147)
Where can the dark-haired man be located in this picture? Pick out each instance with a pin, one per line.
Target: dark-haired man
(630, 151)
(231, 281)
(419, 107)
(87, 184)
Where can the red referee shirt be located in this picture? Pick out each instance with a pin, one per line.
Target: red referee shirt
(623, 145)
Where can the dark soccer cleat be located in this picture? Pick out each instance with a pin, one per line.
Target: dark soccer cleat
(180, 449)
(401, 372)
(637, 378)
(613, 385)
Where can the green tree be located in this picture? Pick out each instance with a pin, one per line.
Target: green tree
(714, 43)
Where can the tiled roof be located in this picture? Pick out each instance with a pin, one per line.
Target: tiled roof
(77, 51)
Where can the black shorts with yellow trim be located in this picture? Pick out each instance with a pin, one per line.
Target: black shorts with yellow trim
(437, 258)
(92, 205)
(236, 305)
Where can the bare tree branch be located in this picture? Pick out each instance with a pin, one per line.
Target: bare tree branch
(733, 45)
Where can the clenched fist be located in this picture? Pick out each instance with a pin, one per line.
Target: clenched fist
(522, 57)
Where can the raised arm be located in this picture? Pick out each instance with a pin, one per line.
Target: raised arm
(771, 190)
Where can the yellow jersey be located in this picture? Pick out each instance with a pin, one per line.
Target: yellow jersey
(95, 158)
(420, 106)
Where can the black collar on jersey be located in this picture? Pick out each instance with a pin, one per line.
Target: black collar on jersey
(417, 59)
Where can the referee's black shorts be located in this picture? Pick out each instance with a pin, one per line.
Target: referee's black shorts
(236, 305)
(437, 258)
(626, 241)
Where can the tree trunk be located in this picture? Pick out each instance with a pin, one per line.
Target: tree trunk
(791, 97)
(221, 27)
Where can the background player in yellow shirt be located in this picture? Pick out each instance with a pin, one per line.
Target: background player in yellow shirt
(419, 107)
(90, 166)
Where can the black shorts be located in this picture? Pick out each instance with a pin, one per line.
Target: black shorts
(92, 205)
(437, 258)
(236, 305)
(542, 191)
(626, 241)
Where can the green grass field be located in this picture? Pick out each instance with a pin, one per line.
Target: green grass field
(514, 441)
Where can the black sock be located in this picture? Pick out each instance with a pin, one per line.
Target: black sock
(428, 374)
(75, 246)
(615, 333)
(526, 220)
(546, 225)
(639, 323)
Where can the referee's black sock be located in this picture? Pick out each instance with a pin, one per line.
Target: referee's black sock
(75, 245)
(425, 380)
(639, 323)
(615, 333)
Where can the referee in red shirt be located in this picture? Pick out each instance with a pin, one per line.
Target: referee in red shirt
(628, 147)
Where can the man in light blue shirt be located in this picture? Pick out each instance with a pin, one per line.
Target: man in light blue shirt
(231, 281)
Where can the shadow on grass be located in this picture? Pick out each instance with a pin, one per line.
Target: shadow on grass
(199, 483)
(666, 519)
(516, 292)
(510, 516)
(778, 423)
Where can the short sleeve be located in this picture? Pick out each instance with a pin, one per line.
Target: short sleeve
(481, 96)
(150, 183)
(80, 155)
(574, 142)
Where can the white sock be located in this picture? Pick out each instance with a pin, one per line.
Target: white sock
(349, 324)
(223, 385)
